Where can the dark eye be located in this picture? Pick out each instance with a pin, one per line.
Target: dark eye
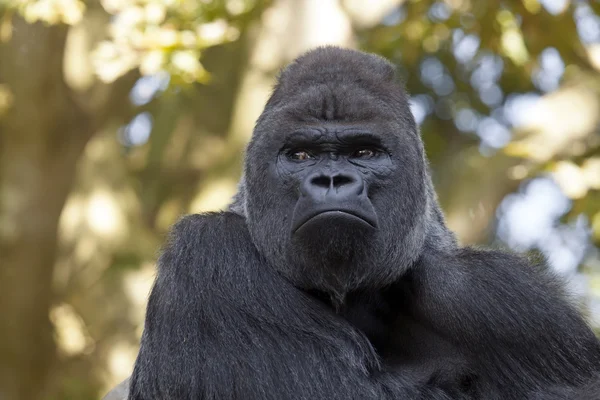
(364, 153)
(300, 155)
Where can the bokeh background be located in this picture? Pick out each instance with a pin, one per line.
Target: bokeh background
(119, 116)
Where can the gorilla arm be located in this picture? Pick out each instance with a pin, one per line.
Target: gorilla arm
(511, 316)
(221, 324)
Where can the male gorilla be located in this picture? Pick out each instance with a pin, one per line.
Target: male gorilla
(334, 276)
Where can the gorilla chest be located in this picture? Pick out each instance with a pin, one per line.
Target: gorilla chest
(410, 348)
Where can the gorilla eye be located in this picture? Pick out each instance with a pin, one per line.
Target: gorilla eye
(364, 153)
(300, 155)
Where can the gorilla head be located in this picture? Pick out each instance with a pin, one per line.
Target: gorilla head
(336, 190)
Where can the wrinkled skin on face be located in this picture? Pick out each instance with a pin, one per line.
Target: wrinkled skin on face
(337, 191)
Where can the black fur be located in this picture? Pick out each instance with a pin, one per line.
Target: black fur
(244, 307)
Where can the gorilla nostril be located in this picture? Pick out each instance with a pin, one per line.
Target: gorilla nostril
(321, 181)
(341, 180)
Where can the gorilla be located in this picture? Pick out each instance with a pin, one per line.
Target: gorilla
(333, 275)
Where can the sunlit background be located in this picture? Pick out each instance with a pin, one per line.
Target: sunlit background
(119, 116)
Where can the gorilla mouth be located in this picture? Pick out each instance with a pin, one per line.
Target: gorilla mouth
(336, 214)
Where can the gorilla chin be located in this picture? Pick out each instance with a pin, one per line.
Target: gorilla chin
(335, 240)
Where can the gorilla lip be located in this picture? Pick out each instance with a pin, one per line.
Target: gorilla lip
(350, 214)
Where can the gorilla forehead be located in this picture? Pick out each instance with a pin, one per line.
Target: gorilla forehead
(340, 102)
(341, 85)
(332, 65)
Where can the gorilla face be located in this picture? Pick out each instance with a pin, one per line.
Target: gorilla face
(335, 177)
(332, 169)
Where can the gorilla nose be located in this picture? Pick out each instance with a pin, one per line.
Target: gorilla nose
(335, 185)
(337, 199)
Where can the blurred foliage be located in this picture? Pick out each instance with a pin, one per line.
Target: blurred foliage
(118, 116)
(166, 36)
(468, 61)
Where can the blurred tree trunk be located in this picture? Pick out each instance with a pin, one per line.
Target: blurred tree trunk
(42, 137)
